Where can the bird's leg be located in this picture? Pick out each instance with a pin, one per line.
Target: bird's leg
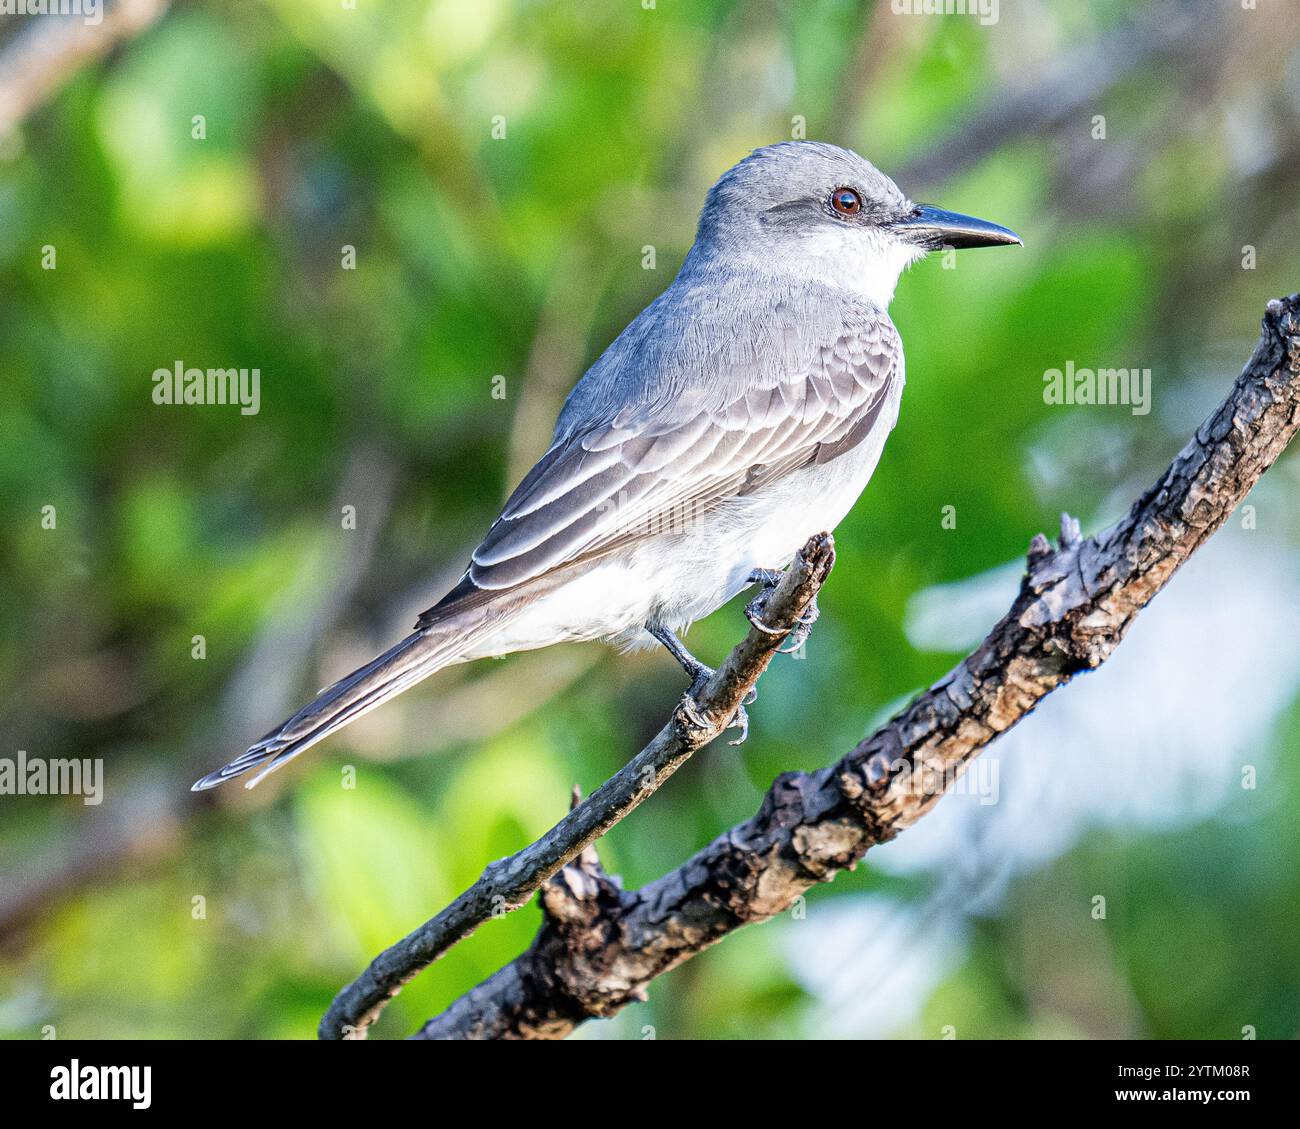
(699, 675)
(769, 579)
(695, 669)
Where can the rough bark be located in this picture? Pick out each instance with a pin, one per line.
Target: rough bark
(600, 946)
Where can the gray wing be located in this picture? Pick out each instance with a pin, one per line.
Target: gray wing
(642, 474)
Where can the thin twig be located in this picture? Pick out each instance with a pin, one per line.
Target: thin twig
(509, 883)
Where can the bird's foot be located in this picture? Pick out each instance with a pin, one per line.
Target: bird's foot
(739, 720)
(769, 579)
(803, 628)
(690, 705)
(699, 674)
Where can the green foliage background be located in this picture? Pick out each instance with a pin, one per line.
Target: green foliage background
(523, 257)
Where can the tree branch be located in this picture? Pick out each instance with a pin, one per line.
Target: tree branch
(509, 883)
(600, 946)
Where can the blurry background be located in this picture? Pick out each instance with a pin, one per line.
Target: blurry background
(1167, 783)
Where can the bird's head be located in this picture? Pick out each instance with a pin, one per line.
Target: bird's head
(808, 207)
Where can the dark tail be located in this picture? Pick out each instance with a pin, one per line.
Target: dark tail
(415, 657)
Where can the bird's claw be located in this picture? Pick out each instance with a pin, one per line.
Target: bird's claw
(690, 710)
(802, 629)
(739, 720)
(690, 706)
(754, 611)
(768, 579)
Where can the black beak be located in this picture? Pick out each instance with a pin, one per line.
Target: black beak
(933, 228)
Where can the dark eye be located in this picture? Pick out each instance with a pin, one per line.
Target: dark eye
(846, 201)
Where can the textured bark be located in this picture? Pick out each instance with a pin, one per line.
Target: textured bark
(599, 946)
(509, 883)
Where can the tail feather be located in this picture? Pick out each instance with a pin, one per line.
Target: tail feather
(415, 657)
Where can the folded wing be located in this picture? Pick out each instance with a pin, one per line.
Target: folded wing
(648, 472)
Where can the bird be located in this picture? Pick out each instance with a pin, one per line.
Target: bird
(741, 412)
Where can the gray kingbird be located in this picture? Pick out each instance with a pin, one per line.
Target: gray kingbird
(741, 412)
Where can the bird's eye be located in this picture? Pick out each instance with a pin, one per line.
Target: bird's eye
(846, 201)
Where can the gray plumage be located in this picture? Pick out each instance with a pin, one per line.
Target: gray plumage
(741, 412)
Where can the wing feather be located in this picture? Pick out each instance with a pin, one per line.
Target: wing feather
(611, 486)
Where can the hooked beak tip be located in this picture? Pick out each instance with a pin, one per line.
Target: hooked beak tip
(932, 228)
